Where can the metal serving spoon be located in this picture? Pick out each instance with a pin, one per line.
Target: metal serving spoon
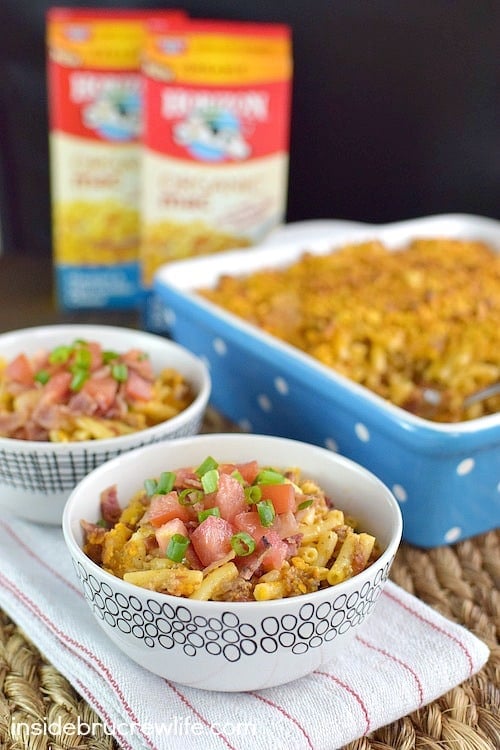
(434, 398)
(482, 394)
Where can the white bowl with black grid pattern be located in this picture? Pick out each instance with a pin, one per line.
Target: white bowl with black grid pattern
(36, 477)
(234, 646)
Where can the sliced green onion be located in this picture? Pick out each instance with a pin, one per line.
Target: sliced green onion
(120, 372)
(60, 355)
(270, 476)
(176, 548)
(190, 497)
(79, 378)
(237, 475)
(208, 512)
(108, 356)
(252, 494)
(165, 483)
(305, 504)
(150, 486)
(210, 481)
(207, 465)
(42, 376)
(266, 512)
(243, 544)
(83, 358)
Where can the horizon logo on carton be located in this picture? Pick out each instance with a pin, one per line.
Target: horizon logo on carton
(86, 87)
(250, 105)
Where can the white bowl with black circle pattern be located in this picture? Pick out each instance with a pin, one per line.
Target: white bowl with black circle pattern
(36, 477)
(234, 646)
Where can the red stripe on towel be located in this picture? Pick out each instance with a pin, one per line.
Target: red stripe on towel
(352, 692)
(71, 644)
(39, 560)
(435, 627)
(92, 700)
(198, 715)
(397, 661)
(285, 714)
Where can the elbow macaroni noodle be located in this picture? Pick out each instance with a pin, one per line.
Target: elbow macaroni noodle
(423, 317)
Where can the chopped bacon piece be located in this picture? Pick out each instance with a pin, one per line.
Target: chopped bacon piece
(33, 431)
(20, 370)
(102, 390)
(192, 559)
(95, 350)
(139, 363)
(57, 388)
(138, 388)
(82, 403)
(110, 509)
(10, 423)
(49, 416)
(185, 478)
(93, 539)
(92, 530)
(293, 543)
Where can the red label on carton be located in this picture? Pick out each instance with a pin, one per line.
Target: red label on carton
(216, 131)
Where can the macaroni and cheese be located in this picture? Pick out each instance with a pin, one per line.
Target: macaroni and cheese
(228, 532)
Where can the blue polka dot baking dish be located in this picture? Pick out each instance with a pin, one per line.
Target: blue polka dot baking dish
(445, 475)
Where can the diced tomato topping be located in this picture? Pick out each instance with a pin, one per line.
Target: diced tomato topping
(282, 496)
(137, 388)
(165, 533)
(277, 552)
(20, 370)
(165, 507)
(229, 498)
(102, 391)
(226, 468)
(285, 525)
(249, 521)
(248, 471)
(212, 539)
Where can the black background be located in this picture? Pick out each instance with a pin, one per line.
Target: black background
(395, 108)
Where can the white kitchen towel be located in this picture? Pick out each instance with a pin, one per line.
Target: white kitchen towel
(407, 656)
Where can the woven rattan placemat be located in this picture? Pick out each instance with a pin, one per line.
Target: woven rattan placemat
(461, 581)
